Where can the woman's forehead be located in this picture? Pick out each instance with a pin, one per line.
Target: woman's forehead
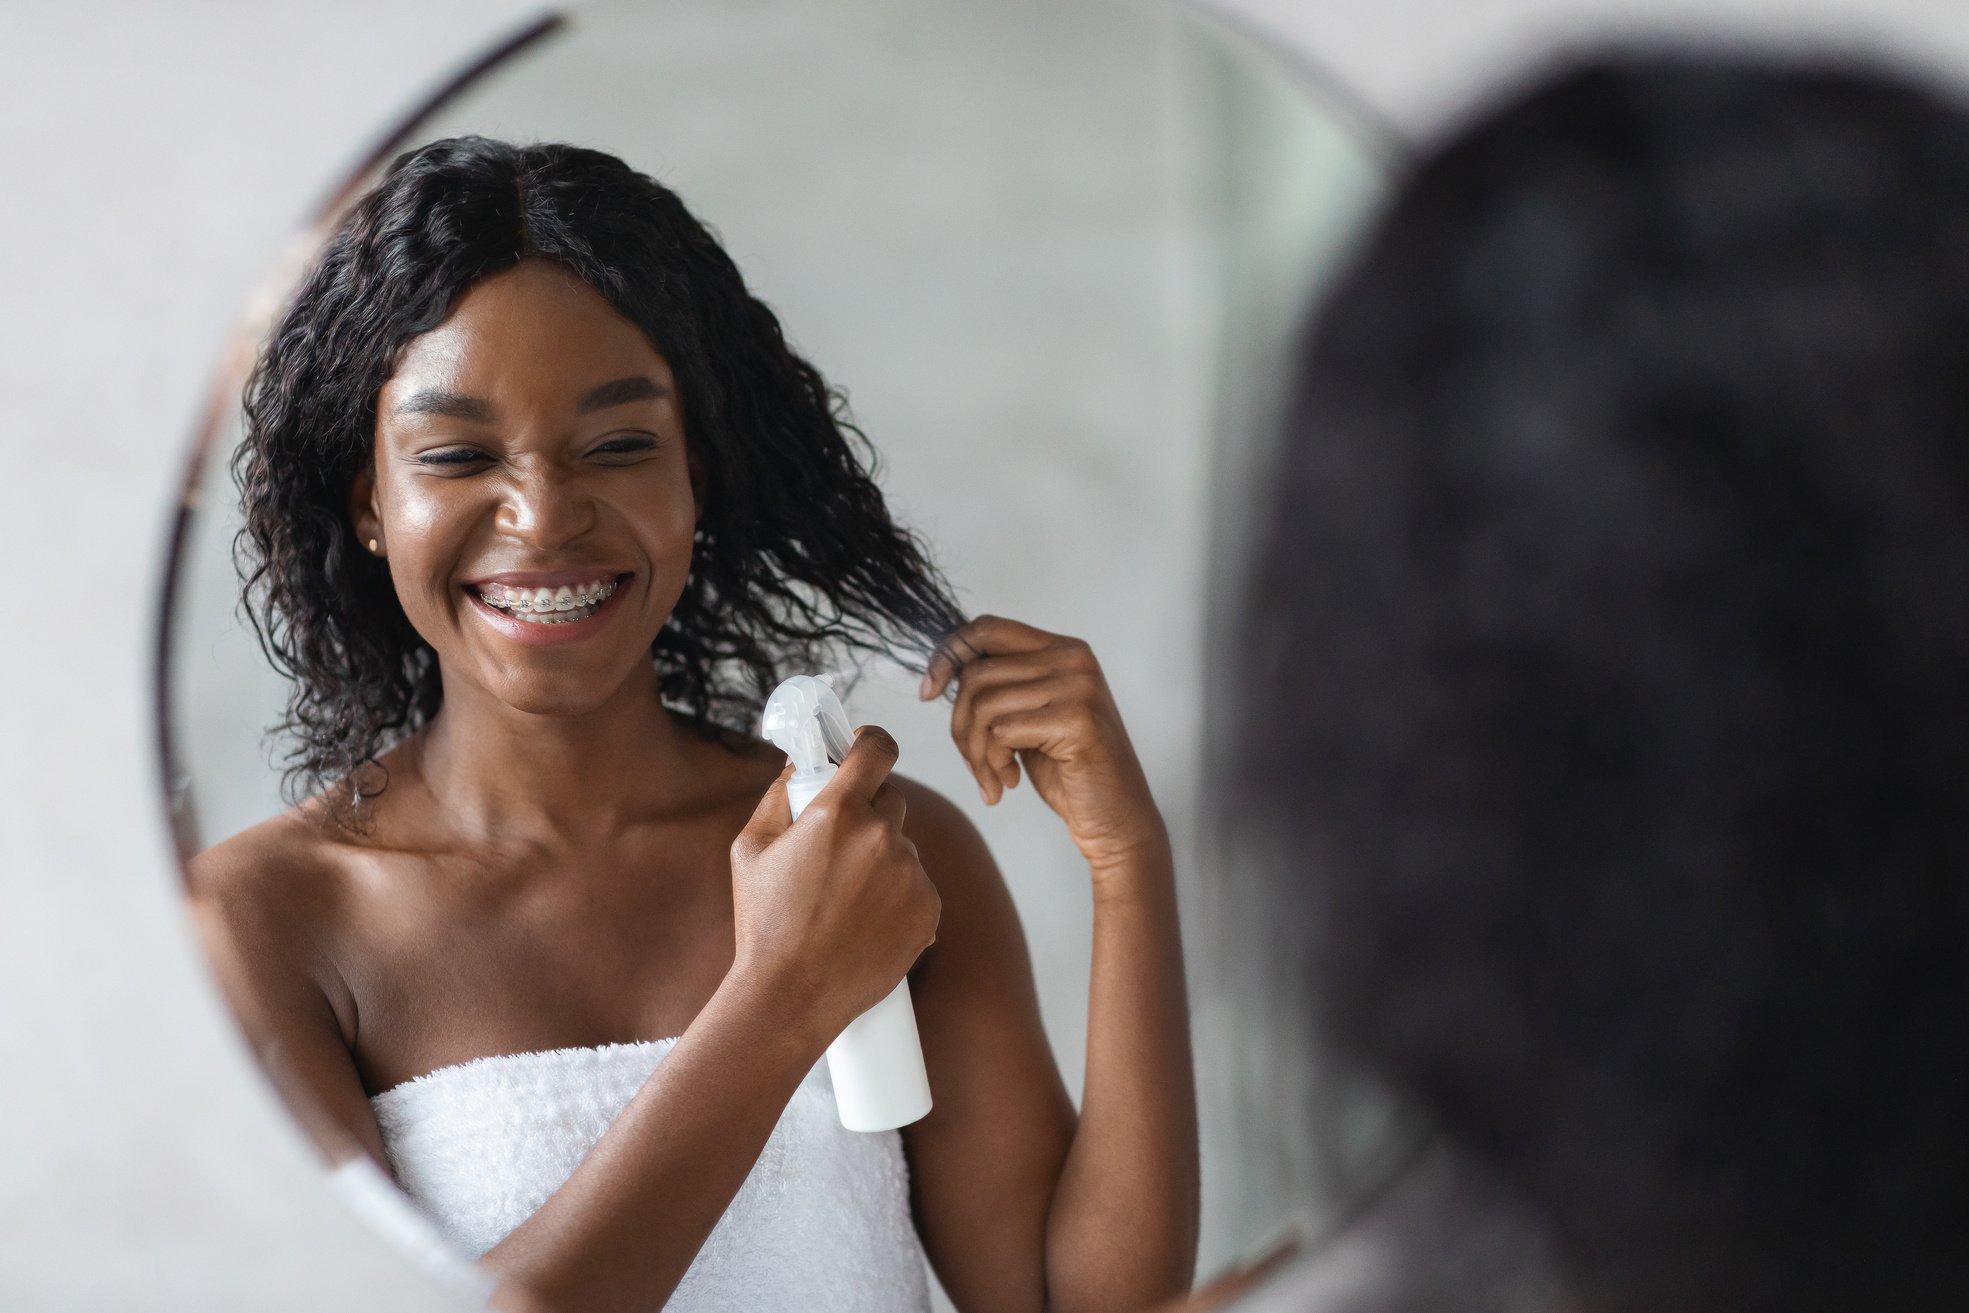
(536, 332)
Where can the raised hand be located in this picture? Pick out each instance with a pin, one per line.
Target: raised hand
(1037, 702)
(834, 908)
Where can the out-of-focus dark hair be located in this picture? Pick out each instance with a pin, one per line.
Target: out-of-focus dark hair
(1607, 673)
(797, 561)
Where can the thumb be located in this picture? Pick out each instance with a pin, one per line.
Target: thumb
(866, 767)
(771, 817)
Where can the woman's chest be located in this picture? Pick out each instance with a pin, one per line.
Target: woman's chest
(456, 956)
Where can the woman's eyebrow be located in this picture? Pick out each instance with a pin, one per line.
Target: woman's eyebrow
(451, 405)
(433, 401)
(637, 388)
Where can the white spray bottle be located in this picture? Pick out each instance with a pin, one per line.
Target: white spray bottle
(877, 1063)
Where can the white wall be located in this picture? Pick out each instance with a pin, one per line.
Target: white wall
(157, 158)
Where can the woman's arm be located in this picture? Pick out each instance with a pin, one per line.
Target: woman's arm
(1021, 1207)
(829, 916)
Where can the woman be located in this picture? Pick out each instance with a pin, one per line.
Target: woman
(1604, 675)
(539, 506)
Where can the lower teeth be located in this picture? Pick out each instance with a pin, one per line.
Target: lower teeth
(553, 617)
(548, 617)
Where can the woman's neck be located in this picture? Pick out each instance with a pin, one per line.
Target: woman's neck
(496, 773)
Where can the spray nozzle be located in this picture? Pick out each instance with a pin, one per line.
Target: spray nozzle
(806, 721)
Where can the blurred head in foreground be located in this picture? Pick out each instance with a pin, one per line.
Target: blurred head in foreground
(1607, 675)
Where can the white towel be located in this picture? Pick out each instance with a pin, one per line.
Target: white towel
(821, 1224)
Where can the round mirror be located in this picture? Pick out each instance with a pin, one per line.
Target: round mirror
(1050, 255)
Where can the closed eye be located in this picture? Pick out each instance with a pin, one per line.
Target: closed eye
(629, 445)
(452, 456)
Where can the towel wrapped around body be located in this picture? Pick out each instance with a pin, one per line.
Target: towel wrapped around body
(822, 1222)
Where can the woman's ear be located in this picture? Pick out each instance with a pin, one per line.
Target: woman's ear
(363, 513)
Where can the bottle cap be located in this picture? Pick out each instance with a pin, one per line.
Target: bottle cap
(806, 721)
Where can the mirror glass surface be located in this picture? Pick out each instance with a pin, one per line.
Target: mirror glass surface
(1052, 254)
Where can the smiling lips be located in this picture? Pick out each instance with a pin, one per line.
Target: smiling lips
(548, 606)
(532, 607)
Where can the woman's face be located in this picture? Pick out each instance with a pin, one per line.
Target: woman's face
(532, 491)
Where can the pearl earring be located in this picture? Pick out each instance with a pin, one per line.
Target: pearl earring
(374, 548)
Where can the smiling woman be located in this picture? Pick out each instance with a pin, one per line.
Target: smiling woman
(486, 409)
(539, 505)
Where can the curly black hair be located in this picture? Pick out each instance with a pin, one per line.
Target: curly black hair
(1607, 674)
(797, 562)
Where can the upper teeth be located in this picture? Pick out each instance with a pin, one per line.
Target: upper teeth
(564, 598)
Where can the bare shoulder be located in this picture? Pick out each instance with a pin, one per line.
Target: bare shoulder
(268, 903)
(945, 838)
(284, 862)
(979, 933)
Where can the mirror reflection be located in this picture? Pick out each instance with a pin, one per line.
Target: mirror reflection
(694, 350)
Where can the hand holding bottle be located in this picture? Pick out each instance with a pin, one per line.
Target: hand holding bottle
(835, 910)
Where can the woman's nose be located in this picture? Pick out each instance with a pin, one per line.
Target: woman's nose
(547, 508)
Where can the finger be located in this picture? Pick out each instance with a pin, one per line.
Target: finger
(993, 635)
(978, 772)
(1013, 667)
(1038, 730)
(890, 805)
(936, 903)
(984, 636)
(1026, 680)
(1071, 658)
(771, 817)
(962, 719)
(865, 768)
(1004, 766)
(965, 732)
(990, 674)
(942, 669)
(945, 664)
(976, 714)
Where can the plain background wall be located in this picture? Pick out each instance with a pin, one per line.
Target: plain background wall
(158, 159)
